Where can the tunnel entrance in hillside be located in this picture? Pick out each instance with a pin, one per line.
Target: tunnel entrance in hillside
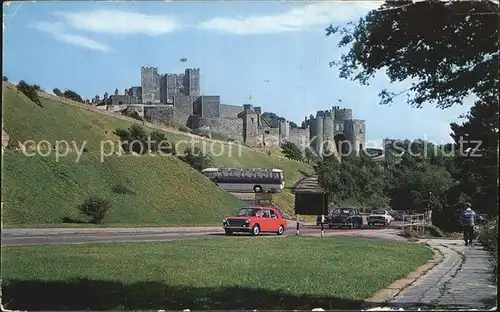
(342, 145)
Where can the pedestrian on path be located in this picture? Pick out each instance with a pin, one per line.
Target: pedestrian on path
(468, 221)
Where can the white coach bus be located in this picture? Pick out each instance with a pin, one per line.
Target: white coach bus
(247, 180)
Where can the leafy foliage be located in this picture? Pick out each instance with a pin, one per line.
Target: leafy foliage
(401, 185)
(4, 78)
(292, 151)
(451, 57)
(72, 95)
(29, 91)
(95, 209)
(58, 92)
(476, 141)
(138, 141)
(196, 158)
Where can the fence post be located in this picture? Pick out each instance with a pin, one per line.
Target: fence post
(298, 224)
(403, 226)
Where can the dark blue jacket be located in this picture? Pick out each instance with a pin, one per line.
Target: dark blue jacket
(468, 217)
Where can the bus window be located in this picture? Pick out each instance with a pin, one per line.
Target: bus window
(276, 175)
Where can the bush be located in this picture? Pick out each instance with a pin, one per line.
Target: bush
(4, 78)
(488, 236)
(292, 151)
(196, 159)
(201, 133)
(95, 209)
(122, 189)
(58, 92)
(434, 231)
(29, 91)
(72, 95)
(220, 136)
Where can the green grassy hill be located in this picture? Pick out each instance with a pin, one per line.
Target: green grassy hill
(163, 190)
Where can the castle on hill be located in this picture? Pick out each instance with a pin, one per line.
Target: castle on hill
(174, 97)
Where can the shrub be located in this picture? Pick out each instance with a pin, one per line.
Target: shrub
(488, 236)
(434, 231)
(95, 209)
(122, 189)
(220, 136)
(196, 159)
(72, 95)
(292, 151)
(4, 78)
(29, 91)
(57, 92)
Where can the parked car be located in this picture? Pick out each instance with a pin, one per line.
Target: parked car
(255, 220)
(342, 217)
(397, 215)
(379, 217)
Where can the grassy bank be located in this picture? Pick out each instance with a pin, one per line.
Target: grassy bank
(164, 191)
(41, 190)
(232, 273)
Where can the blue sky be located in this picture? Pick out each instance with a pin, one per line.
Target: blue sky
(93, 47)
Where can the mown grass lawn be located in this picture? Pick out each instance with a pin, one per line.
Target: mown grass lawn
(231, 273)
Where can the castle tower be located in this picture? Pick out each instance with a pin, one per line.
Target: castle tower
(284, 130)
(191, 82)
(320, 136)
(250, 129)
(328, 133)
(150, 83)
(354, 131)
(341, 116)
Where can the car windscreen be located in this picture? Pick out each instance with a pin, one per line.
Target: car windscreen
(247, 212)
(378, 212)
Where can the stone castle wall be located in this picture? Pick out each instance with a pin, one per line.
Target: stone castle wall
(231, 127)
(229, 111)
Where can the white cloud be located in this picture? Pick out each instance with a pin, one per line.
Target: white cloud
(120, 22)
(56, 30)
(299, 18)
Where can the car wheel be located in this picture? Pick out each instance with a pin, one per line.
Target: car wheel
(229, 232)
(255, 230)
(257, 189)
(281, 229)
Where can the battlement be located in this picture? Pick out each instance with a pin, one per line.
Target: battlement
(149, 68)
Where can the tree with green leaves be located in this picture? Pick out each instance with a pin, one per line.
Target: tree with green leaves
(196, 158)
(29, 91)
(449, 48)
(58, 92)
(72, 95)
(292, 151)
(476, 143)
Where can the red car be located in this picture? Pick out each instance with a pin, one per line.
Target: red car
(255, 220)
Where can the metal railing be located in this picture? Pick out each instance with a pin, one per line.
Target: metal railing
(416, 222)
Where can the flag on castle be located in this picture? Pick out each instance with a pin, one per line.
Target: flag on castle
(184, 59)
(250, 97)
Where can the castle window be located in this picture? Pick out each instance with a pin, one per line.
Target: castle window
(266, 132)
(251, 120)
(120, 102)
(352, 127)
(337, 127)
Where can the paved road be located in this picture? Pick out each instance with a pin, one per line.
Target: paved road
(21, 237)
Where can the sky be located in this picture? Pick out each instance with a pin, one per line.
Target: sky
(275, 51)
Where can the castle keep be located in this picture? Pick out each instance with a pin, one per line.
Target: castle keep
(177, 98)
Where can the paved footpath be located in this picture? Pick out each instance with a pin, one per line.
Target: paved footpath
(463, 280)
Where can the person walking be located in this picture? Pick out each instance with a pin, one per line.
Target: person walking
(468, 221)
